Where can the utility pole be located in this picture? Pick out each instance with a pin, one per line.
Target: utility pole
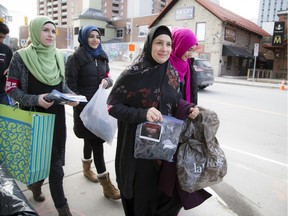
(131, 46)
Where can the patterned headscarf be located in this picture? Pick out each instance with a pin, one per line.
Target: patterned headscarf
(183, 39)
(83, 40)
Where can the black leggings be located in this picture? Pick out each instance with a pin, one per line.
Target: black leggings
(148, 200)
(95, 146)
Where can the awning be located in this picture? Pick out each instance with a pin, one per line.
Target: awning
(236, 51)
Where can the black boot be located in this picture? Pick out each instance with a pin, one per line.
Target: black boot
(36, 190)
(64, 211)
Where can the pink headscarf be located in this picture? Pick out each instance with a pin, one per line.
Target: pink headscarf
(183, 39)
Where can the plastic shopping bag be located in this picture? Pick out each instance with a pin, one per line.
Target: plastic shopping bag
(96, 118)
(200, 160)
(158, 140)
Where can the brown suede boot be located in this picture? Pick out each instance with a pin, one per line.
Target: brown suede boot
(36, 190)
(88, 173)
(109, 189)
(64, 211)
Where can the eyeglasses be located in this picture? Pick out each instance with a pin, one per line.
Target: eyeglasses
(193, 48)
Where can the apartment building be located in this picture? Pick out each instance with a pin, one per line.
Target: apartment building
(123, 9)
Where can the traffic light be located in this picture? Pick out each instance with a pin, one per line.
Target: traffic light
(25, 20)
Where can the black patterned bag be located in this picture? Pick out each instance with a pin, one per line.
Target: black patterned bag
(200, 160)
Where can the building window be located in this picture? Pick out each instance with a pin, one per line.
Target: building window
(143, 31)
(102, 31)
(119, 33)
(76, 30)
(200, 31)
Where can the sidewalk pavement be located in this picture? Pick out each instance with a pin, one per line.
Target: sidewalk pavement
(86, 198)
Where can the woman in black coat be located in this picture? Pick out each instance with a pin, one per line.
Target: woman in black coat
(144, 92)
(86, 69)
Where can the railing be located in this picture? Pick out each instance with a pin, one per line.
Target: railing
(260, 74)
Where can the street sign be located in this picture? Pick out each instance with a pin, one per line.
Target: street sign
(256, 49)
(131, 47)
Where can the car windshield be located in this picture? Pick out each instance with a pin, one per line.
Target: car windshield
(203, 63)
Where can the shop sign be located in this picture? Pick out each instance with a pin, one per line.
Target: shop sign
(278, 34)
(230, 35)
(184, 13)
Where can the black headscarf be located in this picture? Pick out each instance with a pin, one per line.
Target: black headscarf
(147, 83)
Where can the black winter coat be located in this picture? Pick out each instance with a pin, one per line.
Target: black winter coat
(193, 84)
(84, 75)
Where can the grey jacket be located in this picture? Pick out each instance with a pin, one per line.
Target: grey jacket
(19, 71)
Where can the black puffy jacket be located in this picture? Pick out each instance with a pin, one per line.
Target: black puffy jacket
(83, 76)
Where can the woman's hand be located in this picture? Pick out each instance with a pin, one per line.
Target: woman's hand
(154, 115)
(43, 103)
(193, 112)
(104, 83)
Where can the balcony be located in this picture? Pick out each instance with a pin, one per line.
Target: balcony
(115, 1)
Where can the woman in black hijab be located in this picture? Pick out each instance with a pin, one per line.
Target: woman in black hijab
(143, 92)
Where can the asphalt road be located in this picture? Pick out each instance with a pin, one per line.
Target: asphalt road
(253, 134)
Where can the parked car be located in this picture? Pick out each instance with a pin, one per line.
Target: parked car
(204, 71)
(67, 53)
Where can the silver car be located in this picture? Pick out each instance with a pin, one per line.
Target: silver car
(204, 71)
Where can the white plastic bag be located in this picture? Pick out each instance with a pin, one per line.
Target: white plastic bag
(96, 118)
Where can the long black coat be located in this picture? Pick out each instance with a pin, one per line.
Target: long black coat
(84, 75)
(193, 84)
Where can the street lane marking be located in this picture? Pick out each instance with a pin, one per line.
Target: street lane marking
(256, 156)
(258, 172)
(248, 108)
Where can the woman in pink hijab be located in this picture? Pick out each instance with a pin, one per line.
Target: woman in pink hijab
(184, 43)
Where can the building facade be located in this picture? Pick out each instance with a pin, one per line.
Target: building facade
(70, 15)
(268, 10)
(279, 46)
(226, 39)
(123, 9)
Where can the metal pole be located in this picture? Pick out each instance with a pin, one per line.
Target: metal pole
(131, 31)
(253, 77)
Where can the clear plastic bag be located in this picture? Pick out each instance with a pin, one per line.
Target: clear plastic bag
(96, 118)
(158, 140)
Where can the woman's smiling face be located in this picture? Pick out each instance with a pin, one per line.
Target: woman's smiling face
(161, 48)
(188, 53)
(94, 39)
